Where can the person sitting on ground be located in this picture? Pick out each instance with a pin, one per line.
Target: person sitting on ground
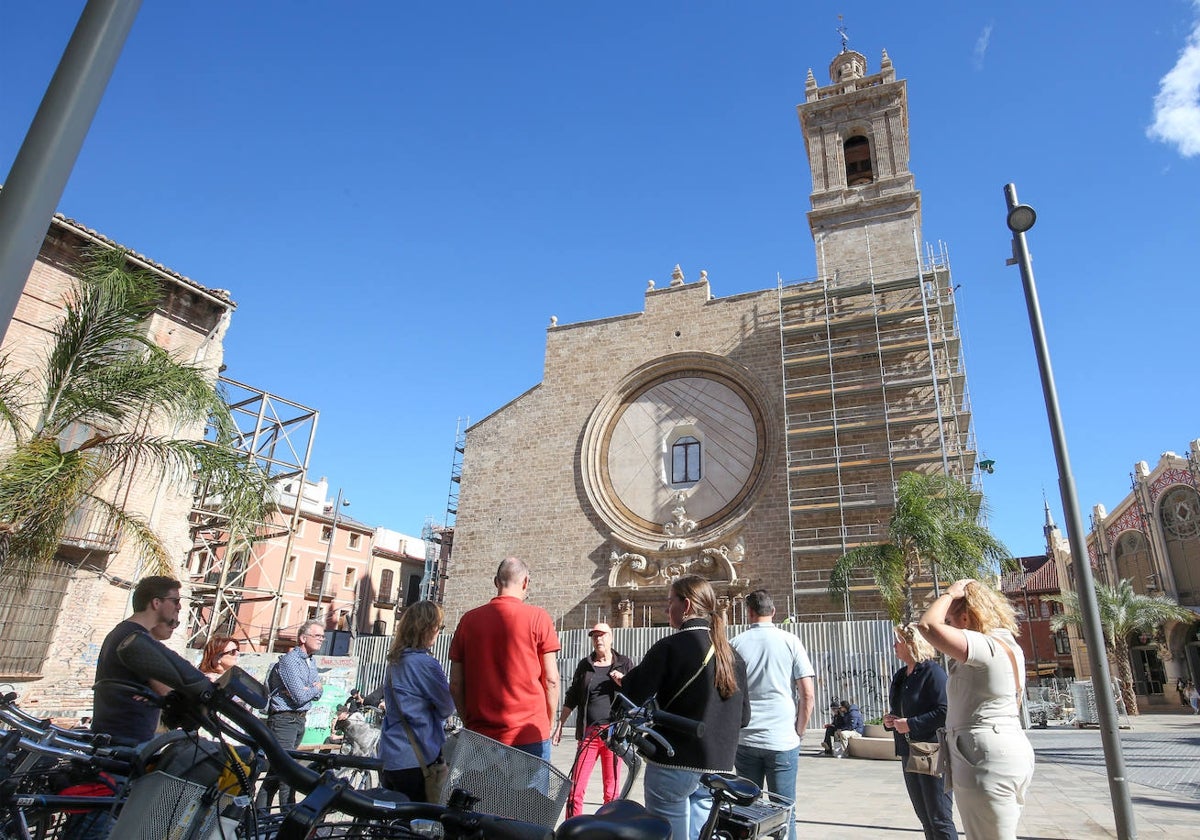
(846, 719)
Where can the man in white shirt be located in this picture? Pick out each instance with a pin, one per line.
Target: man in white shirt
(779, 678)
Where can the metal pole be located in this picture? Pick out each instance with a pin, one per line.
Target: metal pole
(1114, 760)
(40, 171)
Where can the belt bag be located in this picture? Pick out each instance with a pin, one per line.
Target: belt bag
(926, 757)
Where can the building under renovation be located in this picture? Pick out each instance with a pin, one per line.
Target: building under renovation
(752, 439)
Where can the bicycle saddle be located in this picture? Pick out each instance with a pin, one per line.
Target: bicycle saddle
(621, 819)
(741, 791)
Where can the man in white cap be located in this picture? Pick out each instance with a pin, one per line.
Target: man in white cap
(592, 691)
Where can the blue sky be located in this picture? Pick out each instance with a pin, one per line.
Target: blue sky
(400, 195)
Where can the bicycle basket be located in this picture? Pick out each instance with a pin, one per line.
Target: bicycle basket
(163, 807)
(508, 782)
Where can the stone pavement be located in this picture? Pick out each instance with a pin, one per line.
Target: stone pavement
(1069, 799)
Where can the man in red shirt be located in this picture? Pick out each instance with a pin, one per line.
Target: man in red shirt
(504, 666)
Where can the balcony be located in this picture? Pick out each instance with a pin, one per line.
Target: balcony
(314, 591)
(90, 528)
(385, 600)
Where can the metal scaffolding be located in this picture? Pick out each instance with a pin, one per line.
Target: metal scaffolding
(439, 540)
(227, 570)
(874, 385)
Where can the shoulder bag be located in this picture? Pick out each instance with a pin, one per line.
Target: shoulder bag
(925, 757)
(435, 773)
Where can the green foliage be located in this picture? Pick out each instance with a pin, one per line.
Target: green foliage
(1123, 613)
(81, 423)
(935, 523)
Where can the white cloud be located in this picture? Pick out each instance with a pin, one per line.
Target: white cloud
(1177, 104)
(981, 46)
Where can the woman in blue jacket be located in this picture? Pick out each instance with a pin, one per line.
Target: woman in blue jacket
(917, 702)
(417, 697)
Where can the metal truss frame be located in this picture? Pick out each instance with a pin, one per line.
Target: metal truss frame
(277, 435)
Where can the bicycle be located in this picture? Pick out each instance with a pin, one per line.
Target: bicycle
(197, 702)
(738, 810)
(49, 790)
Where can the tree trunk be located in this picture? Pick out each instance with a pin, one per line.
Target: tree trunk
(1120, 653)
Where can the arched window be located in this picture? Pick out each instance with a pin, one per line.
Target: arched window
(857, 151)
(1179, 512)
(1132, 555)
(385, 586)
(685, 460)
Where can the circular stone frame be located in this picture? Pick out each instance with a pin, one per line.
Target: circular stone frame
(630, 527)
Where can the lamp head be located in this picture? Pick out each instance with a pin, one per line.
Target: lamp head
(1021, 218)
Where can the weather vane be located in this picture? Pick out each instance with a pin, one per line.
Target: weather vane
(841, 30)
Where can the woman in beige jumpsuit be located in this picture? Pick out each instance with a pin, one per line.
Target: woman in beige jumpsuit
(990, 759)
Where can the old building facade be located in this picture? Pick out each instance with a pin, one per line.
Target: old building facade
(50, 634)
(1151, 538)
(752, 439)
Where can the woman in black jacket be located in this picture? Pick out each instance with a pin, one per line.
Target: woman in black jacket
(917, 701)
(592, 691)
(695, 673)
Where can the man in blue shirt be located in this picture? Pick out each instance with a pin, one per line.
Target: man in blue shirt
(294, 685)
(779, 680)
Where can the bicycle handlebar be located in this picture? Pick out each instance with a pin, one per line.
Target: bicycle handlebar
(110, 759)
(682, 725)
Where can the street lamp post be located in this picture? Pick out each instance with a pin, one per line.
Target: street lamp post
(43, 165)
(337, 511)
(1020, 219)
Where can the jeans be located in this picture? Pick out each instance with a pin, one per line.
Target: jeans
(538, 749)
(288, 729)
(776, 767)
(591, 748)
(678, 797)
(934, 806)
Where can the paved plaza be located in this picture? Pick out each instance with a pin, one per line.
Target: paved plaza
(857, 798)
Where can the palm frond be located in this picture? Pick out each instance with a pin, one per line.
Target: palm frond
(41, 487)
(885, 564)
(152, 555)
(935, 520)
(14, 390)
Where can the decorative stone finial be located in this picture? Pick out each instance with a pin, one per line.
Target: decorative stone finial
(677, 276)
(703, 276)
(649, 285)
(554, 320)
(885, 62)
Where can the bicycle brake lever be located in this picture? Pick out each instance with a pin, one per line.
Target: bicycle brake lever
(659, 740)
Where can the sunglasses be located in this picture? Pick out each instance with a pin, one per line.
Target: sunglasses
(234, 652)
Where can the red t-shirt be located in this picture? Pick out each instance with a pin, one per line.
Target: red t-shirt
(499, 648)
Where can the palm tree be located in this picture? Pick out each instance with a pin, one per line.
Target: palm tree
(1123, 612)
(81, 424)
(934, 529)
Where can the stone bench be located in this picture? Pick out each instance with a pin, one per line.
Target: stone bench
(875, 742)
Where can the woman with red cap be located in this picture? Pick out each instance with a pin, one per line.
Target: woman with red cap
(592, 691)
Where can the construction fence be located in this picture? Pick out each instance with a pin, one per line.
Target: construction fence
(853, 660)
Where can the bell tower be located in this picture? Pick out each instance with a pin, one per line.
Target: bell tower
(866, 211)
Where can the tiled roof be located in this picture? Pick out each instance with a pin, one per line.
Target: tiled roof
(86, 232)
(1040, 575)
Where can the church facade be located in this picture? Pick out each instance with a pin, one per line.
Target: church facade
(751, 439)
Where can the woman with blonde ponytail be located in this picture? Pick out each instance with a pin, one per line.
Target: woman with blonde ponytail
(696, 674)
